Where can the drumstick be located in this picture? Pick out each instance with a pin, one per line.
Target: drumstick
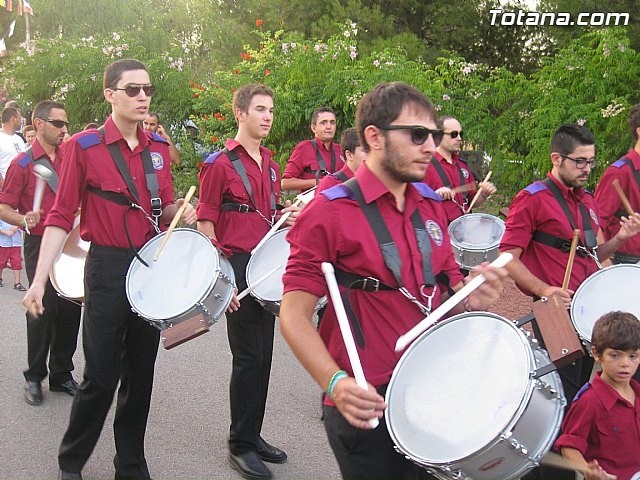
(477, 195)
(552, 459)
(174, 222)
(251, 287)
(572, 256)
(623, 198)
(42, 174)
(345, 329)
(304, 197)
(443, 309)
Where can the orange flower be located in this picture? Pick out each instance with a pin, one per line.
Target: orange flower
(214, 139)
(236, 71)
(196, 95)
(206, 117)
(245, 56)
(259, 23)
(267, 72)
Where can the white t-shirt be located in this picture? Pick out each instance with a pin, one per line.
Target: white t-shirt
(10, 147)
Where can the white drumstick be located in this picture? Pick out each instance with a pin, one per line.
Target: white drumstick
(345, 329)
(42, 174)
(443, 309)
(304, 197)
(252, 287)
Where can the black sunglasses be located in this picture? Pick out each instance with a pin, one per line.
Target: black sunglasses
(419, 134)
(56, 123)
(134, 90)
(455, 133)
(581, 162)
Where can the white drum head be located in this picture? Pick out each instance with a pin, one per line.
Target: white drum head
(476, 231)
(612, 288)
(273, 253)
(183, 275)
(67, 272)
(457, 387)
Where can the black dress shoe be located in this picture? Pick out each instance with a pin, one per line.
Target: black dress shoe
(33, 393)
(63, 475)
(70, 386)
(250, 466)
(269, 453)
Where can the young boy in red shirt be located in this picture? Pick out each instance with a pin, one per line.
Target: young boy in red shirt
(602, 428)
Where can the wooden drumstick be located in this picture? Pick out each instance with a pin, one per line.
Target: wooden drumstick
(345, 330)
(253, 286)
(477, 195)
(572, 256)
(174, 222)
(623, 198)
(552, 459)
(443, 309)
(43, 174)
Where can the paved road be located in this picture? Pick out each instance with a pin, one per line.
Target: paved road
(189, 421)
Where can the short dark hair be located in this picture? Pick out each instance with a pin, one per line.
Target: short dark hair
(569, 136)
(28, 128)
(91, 125)
(634, 121)
(316, 113)
(384, 103)
(154, 114)
(113, 72)
(242, 96)
(8, 113)
(349, 140)
(440, 121)
(617, 330)
(43, 109)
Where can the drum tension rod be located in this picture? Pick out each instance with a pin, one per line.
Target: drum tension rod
(545, 369)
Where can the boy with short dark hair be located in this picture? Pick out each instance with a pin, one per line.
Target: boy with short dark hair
(602, 428)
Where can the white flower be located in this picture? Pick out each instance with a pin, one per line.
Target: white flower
(438, 108)
(581, 121)
(376, 63)
(347, 33)
(61, 55)
(466, 70)
(115, 36)
(446, 97)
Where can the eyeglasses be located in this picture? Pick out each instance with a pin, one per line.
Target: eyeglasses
(419, 134)
(581, 162)
(455, 133)
(134, 90)
(56, 123)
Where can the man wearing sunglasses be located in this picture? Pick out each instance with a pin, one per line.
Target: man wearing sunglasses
(106, 171)
(152, 124)
(313, 159)
(450, 176)
(626, 172)
(539, 231)
(53, 334)
(397, 129)
(10, 142)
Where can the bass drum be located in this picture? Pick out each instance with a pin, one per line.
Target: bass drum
(67, 272)
(463, 401)
(190, 277)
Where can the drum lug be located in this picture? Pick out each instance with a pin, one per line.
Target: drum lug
(517, 446)
(205, 311)
(548, 390)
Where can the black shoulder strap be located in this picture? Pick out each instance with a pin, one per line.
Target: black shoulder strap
(387, 246)
(238, 166)
(340, 175)
(636, 173)
(441, 173)
(321, 164)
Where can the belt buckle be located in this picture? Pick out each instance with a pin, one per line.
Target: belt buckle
(375, 284)
(156, 207)
(243, 208)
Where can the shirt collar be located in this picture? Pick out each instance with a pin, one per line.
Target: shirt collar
(607, 395)
(635, 158)
(576, 192)
(112, 134)
(321, 146)
(372, 188)
(37, 151)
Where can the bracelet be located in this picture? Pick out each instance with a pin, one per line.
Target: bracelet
(465, 304)
(334, 379)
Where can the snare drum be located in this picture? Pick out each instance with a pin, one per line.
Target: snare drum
(67, 271)
(463, 403)
(612, 288)
(272, 253)
(475, 238)
(190, 277)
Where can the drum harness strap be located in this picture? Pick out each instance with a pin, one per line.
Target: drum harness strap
(447, 183)
(238, 166)
(625, 257)
(340, 176)
(391, 258)
(122, 199)
(322, 166)
(590, 245)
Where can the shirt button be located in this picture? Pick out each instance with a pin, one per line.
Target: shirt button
(133, 178)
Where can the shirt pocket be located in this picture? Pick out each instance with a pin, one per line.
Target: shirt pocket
(238, 193)
(113, 185)
(616, 436)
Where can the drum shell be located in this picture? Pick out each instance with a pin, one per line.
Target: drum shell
(475, 238)
(533, 425)
(189, 277)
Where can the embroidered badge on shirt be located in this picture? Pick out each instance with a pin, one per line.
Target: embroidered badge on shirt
(465, 173)
(594, 217)
(157, 160)
(273, 175)
(435, 232)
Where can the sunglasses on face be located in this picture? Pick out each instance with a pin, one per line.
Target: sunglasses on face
(134, 90)
(419, 135)
(581, 162)
(56, 123)
(455, 133)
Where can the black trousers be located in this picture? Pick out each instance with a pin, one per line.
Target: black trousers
(250, 331)
(120, 347)
(54, 333)
(367, 454)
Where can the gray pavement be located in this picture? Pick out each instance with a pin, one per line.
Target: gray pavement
(189, 422)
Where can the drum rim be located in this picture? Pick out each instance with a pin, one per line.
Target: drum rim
(253, 259)
(509, 425)
(474, 246)
(584, 285)
(166, 319)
